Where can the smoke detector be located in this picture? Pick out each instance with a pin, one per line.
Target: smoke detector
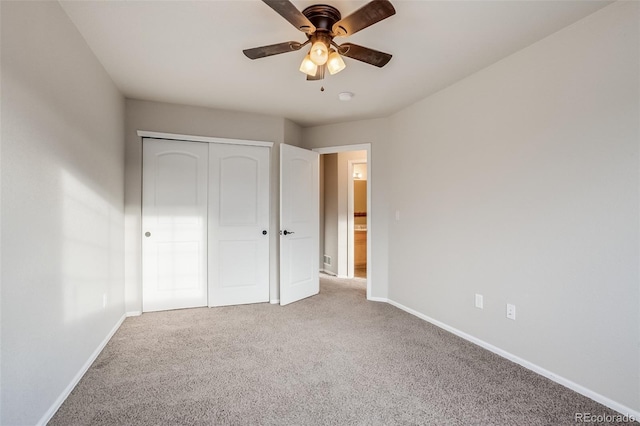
(345, 96)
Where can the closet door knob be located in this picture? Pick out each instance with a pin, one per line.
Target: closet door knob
(147, 234)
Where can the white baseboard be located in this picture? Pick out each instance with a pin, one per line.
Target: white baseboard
(526, 364)
(275, 301)
(379, 299)
(63, 396)
(324, 271)
(133, 314)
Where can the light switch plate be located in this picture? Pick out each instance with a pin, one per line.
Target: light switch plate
(479, 301)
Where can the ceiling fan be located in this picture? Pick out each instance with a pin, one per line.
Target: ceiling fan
(322, 23)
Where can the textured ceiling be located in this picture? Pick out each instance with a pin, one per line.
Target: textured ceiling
(190, 52)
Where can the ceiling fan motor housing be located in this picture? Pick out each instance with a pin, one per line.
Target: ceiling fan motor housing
(322, 16)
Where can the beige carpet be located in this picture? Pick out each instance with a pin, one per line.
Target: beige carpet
(333, 359)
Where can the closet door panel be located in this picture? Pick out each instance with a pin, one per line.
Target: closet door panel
(174, 224)
(238, 225)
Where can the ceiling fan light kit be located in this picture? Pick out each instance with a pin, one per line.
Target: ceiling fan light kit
(321, 23)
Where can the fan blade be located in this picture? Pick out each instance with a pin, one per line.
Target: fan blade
(367, 15)
(319, 74)
(364, 54)
(288, 11)
(272, 49)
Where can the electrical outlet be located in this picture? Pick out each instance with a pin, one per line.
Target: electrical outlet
(104, 300)
(479, 301)
(397, 215)
(511, 311)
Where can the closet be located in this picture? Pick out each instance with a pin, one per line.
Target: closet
(205, 224)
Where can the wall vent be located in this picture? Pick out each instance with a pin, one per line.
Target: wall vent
(327, 260)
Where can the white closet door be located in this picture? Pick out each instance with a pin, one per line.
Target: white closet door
(174, 224)
(299, 223)
(238, 224)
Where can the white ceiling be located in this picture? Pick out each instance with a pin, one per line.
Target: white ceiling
(190, 52)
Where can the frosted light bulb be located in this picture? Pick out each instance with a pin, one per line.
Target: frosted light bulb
(319, 53)
(335, 62)
(308, 67)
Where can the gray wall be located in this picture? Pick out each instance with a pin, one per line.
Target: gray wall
(528, 177)
(329, 227)
(62, 207)
(196, 121)
(521, 183)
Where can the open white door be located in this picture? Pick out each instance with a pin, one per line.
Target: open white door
(299, 223)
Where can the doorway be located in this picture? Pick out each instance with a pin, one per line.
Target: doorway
(338, 218)
(358, 203)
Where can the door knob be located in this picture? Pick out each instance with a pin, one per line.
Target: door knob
(147, 234)
(288, 232)
(264, 232)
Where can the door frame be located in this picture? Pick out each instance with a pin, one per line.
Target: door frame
(359, 147)
(190, 138)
